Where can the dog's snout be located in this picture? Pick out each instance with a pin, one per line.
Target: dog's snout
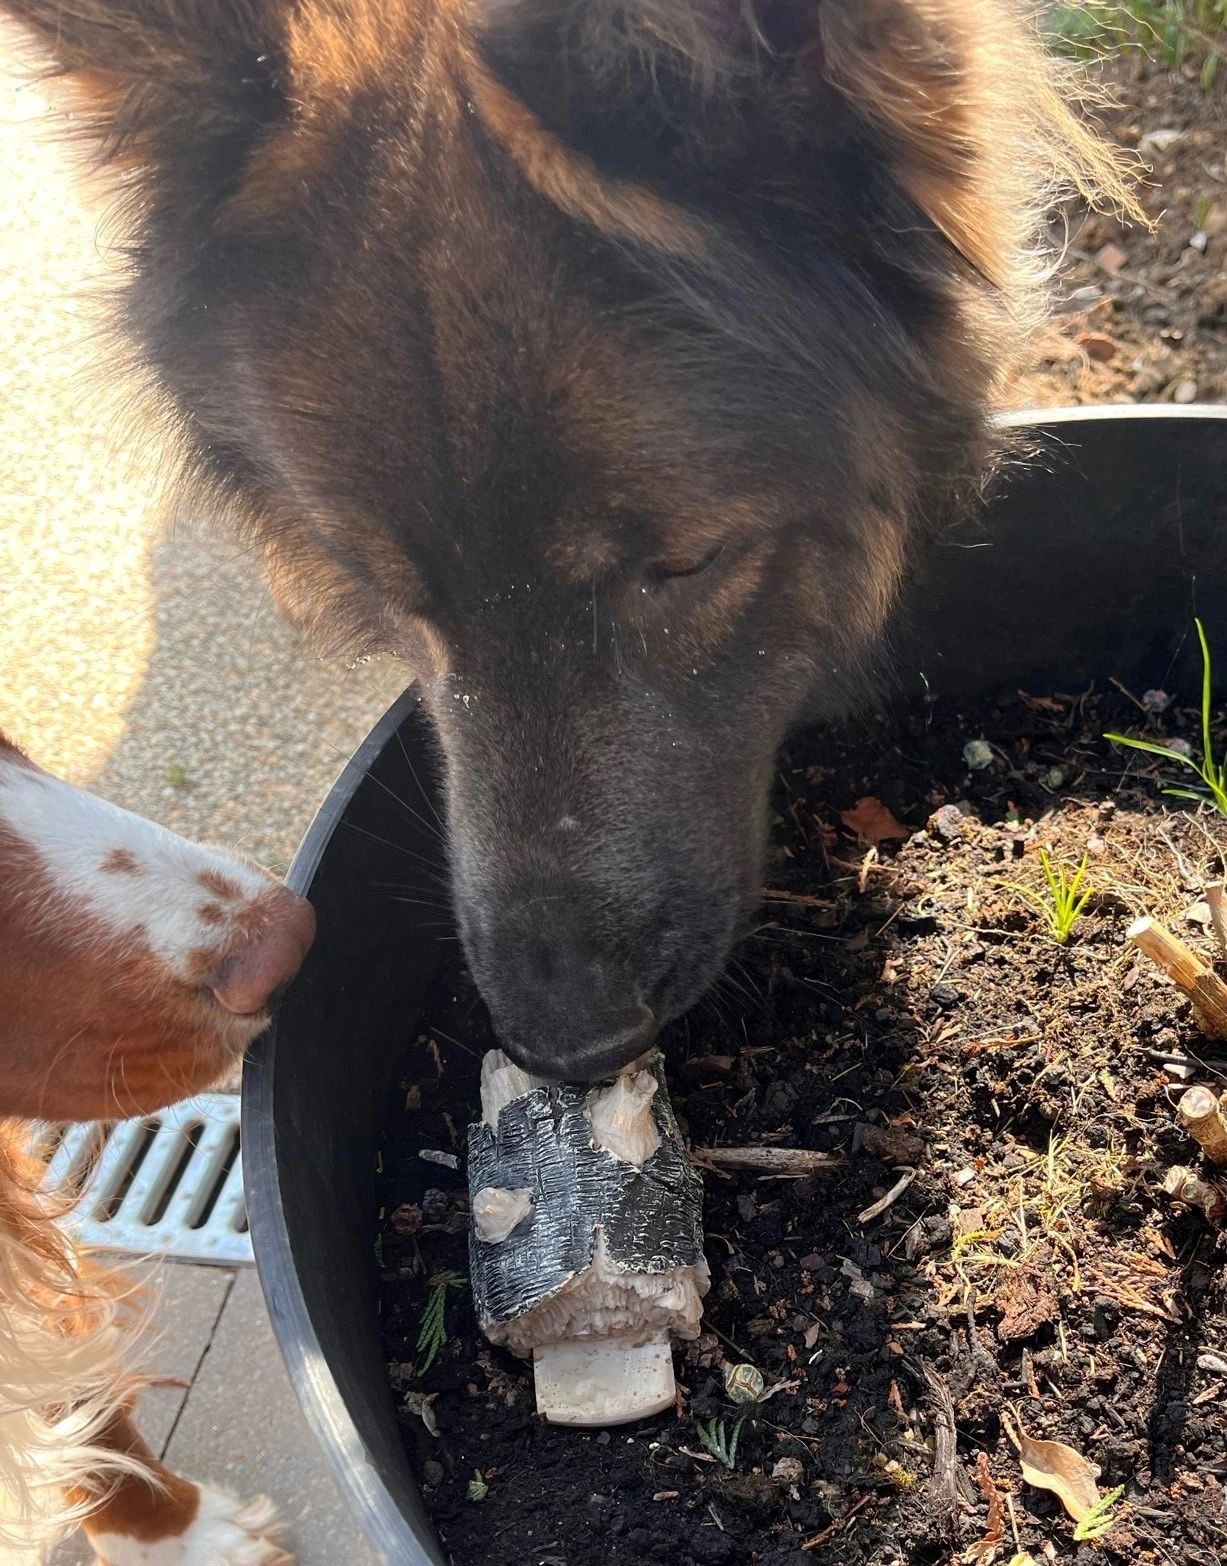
(591, 1059)
(250, 976)
(565, 1003)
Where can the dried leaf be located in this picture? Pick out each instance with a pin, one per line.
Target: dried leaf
(994, 1527)
(407, 1219)
(1051, 1465)
(1027, 1301)
(419, 1403)
(1024, 1558)
(873, 822)
(1098, 346)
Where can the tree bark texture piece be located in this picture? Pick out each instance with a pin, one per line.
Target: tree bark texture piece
(607, 1260)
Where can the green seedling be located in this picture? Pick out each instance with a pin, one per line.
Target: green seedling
(1213, 774)
(716, 1437)
(478, 1488)
(432, 1334)
(1067, 897)
(1100, 1519)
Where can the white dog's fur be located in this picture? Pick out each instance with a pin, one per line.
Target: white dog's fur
(69, 1331)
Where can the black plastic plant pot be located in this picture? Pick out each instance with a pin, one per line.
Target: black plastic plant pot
(1091, 562)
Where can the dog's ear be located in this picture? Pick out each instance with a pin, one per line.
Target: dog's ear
(958, 97)
(982, 126)
(148, 81)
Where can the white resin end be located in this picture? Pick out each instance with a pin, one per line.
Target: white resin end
(593, 1382)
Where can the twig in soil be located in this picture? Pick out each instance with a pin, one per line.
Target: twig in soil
(1125, 691)
(1214, 901)
(1187, 874)
(724, 1338)
(891, 1197)
(1185, 1185)
(1009, 1506)
(771, 894)
(1201, 1114)
(789, 1162)
(1187, 972)
(1000, 1041)
(838, 1526)
(944, 1484)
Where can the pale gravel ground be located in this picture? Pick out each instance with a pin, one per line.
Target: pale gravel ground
(132, 654)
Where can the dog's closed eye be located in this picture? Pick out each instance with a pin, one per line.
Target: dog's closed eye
(658, 572)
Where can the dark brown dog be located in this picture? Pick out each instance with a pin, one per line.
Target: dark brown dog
(602, 358)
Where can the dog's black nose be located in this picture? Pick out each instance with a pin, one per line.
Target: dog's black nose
(592, 1060)
(564, 1005)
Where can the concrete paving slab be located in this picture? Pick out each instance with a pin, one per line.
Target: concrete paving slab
(190, 1302)
(242, 1427)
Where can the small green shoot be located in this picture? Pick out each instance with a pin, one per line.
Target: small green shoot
(432, 1334)
(1099, 1520)
(478, 1488)
(716, 1437)
(1213, 774)
(1062, 908)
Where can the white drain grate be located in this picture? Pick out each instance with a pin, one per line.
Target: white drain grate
(168, 1185)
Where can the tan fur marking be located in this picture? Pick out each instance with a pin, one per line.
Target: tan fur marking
(199, 965)
(120, 861)
(733, 593)
(164, 1506)
(574, 183)
(220, 885)
(211, 913)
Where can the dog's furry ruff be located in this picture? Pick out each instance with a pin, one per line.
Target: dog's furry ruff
(65, 1334)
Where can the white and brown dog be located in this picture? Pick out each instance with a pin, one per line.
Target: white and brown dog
(134, 969)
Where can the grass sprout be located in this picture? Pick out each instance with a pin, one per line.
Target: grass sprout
(1066, 898)
(1213, 774)
(716, 1437)
(432, 1333)
(1099, 1520)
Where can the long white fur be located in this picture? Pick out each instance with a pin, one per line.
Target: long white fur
(41, 1367)
(89, 1372)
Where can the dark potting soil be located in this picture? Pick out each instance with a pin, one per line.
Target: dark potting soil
(903, 1006)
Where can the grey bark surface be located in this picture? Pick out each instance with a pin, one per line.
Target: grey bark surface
(651, 1216)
